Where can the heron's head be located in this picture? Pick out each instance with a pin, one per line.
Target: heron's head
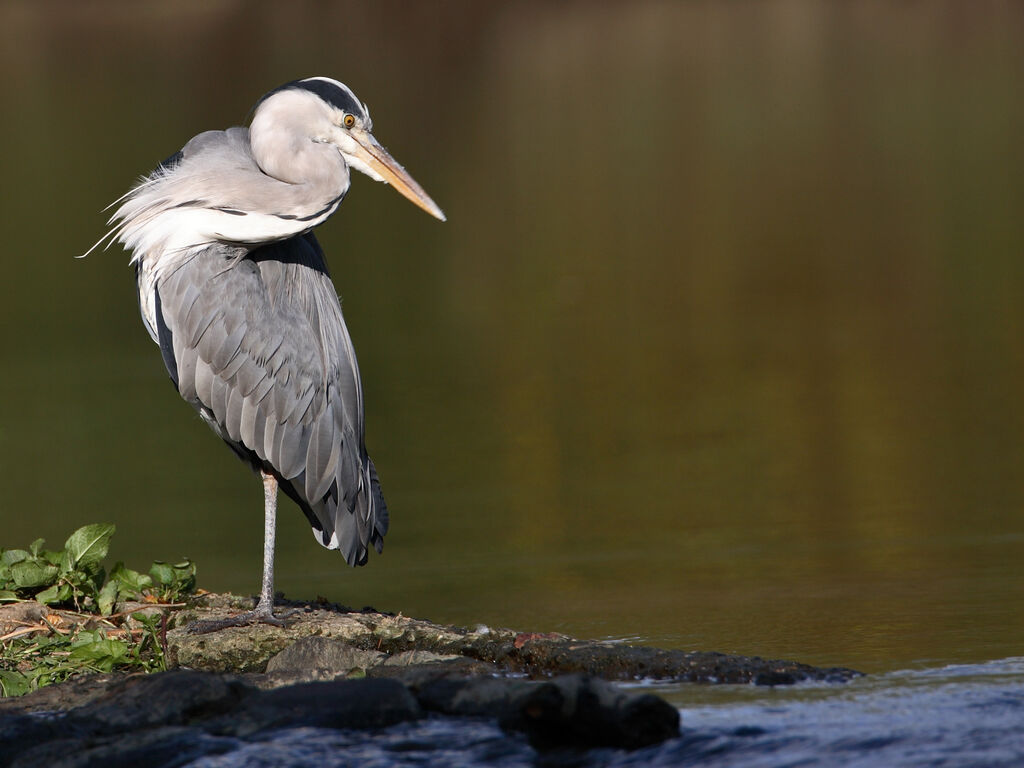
(321, 111)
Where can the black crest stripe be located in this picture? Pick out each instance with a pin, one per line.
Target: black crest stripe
(328, 91)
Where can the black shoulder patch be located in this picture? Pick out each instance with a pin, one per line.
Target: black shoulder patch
(166, 339)
(327, 90)
(300, 249)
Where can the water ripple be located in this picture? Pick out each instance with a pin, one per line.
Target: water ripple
(950, 716)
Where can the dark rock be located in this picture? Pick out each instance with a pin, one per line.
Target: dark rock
(167, 746)
(775, 677)
(68, 695)
(475, 697)
(334, 704)
(20, 732)
(165, 718)
(164, 698)
(570, 711)
(580, 711)
(624, 662)
(43, 752)
(417, 674)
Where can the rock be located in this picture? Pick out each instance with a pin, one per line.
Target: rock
(334, 704)
(249, 649)
(249, 680)
(165, 698)
(477, 697)
(14, 616)
(170, 745)
(235, 649)
(323, 657)
(68, 695)
(172, 717)
(624, 662)
(571, 711)
(415, 674)
(413, 658)
(21, 732)
(581, 711)
(167, 717)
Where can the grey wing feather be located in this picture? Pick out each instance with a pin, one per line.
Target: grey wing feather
(262, 352)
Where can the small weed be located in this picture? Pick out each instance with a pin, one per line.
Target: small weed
(75, 630)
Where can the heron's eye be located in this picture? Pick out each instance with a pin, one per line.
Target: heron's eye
(349, 121)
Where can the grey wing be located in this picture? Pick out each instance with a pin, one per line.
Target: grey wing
(256, 342)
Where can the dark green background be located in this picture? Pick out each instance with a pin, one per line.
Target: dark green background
(720, 347)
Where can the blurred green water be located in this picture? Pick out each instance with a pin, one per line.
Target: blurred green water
(719, 348)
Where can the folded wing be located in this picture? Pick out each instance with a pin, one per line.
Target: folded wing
(256, 342)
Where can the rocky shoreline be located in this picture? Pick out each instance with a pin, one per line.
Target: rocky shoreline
(373, 643)
(335, 668)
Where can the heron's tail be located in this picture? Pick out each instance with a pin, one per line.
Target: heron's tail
(336, 525)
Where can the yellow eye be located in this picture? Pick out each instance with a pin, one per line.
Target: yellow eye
(349, 121)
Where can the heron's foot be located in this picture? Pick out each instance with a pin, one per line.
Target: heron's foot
(259, 615)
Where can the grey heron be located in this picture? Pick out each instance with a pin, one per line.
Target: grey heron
(234, 288)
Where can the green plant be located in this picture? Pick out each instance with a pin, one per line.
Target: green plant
(74, 576)
(79, 633)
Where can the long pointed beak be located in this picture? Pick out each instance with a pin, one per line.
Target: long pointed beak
(387, 168)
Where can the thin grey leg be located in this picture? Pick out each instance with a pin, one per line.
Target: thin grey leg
(264, 610)
(266, 604)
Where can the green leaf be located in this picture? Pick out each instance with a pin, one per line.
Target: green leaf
(185, 576)
(162, 573)
(52, 557)
(29, 573)
(87, 637)
(88, 545)
(13, 683)
(82, 585)
(96, 578)
(7, 596)
(58, 593)
(130, 583)
(36, 547)
(100, 654)
(12, 556)
(107, 597)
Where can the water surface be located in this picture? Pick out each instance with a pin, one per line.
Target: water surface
(719, 348)
(956, 716)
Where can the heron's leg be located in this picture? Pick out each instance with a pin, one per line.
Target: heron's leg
(264, 611)
(265, 606)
